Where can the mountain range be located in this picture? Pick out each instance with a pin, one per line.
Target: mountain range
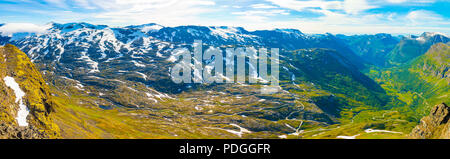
(111, 82)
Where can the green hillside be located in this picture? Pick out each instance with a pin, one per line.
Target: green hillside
(422, 83)
(410, 48)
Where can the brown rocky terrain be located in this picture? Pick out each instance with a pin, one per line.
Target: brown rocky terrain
(434, 126)
(9, 131)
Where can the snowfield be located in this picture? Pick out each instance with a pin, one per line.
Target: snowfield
(347, 137)
(23, 110)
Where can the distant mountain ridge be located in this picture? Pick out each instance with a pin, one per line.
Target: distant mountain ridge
(378, 49)
(372, 48)
(83, 48)
(414, 46)
(289, 39)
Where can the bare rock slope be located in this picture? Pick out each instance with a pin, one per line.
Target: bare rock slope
(434, 126)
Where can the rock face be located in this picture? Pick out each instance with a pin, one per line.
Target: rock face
(9, 131)
(436, 62)
(434, 126)
(34, 100)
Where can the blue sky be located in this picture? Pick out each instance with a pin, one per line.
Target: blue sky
(309, 16)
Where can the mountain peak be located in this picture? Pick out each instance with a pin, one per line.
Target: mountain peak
(431, 34)
(150, 27)
(75, 26)
(290, 31)
(383, 35)
(228, 29)
(143, 25)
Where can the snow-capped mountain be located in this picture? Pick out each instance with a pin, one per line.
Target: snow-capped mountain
(412, 46)
(106, 57)
(432, 37)
(90, 44)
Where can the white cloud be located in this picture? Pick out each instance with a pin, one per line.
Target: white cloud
(84, 4)
(410, 1)
(58, 3)
(424, 17)
(349, 6)
(373, 23)
(335, 16)
(356, 6)
(260, 15)
(351, 16)
(302, 5)
(166, 12)
(319, 27)
(140, 5)
(262, 6)
(261, 12)
(340, 22)
(10, 28)
(396, 1)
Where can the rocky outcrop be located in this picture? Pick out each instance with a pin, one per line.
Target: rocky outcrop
(9, 131)
(24, 95)
(434, 126)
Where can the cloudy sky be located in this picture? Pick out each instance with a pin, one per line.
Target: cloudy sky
(310, 16)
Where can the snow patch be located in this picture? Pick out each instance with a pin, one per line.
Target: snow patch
(23, 110)
(143, 75)
(150, 97)
(383, 131)
(240, 132)
(347, 137)
(224, 32)
(151, 28)
(79, 86)
(137, 64)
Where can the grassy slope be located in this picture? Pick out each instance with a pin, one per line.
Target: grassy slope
(88, 121)
(16, 64)
(419, 84)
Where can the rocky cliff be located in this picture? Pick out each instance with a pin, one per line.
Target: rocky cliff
(26, 105)
(434, 126)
